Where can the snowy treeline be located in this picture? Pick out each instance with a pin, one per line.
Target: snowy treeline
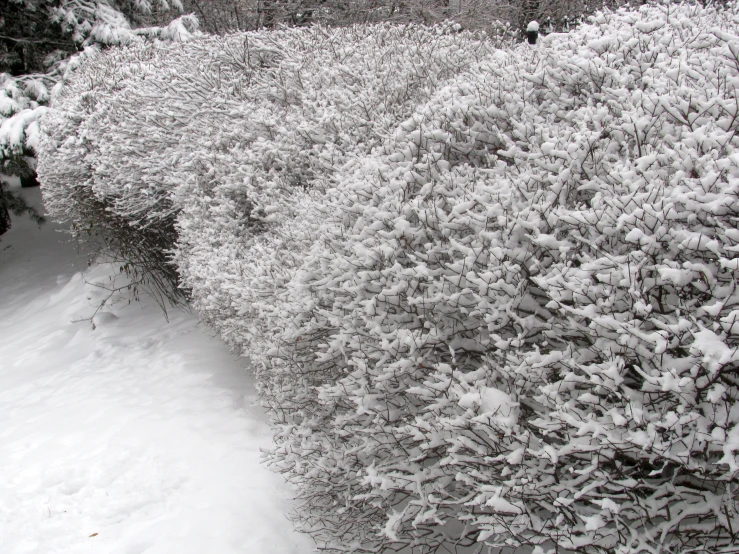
(490, 290)
(220, 16)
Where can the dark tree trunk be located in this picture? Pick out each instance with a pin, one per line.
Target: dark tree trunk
(29, 181)
(4, 213)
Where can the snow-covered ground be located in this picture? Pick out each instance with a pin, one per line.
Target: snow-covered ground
(140, 436)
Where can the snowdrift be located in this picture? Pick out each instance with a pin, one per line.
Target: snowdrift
(493, 302)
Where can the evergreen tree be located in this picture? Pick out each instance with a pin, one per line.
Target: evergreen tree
(30, 39)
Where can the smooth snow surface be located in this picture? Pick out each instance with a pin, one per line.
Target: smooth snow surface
(140, 436)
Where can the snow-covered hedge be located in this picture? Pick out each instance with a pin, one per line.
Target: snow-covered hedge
(491, 294)
(519, 327)
(230, 133)
(334, 94)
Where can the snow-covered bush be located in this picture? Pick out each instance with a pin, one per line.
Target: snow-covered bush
(519, 327)
(334, 94)
(68, 166)
(507, 321)
(233, 136)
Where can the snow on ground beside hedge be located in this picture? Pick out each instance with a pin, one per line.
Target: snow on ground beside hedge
(519, 326)
(139, 436)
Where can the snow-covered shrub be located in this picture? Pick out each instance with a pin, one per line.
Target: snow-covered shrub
(519, 327)
(73, 173)
(333, 94)
(233, 136)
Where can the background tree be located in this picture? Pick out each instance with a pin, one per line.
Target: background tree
(28, 37)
